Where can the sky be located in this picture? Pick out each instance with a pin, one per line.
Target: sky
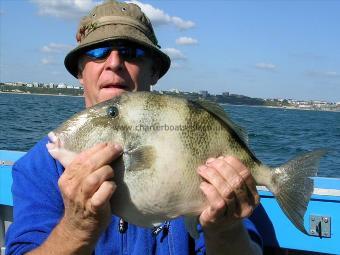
(265, 49)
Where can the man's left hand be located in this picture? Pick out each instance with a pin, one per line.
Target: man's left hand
(231, 193)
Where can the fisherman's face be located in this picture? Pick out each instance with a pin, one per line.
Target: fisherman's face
(115, 73)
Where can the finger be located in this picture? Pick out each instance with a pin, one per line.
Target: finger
(102, 195)
(233, 171)
(213, 176)
(217, 205)
(209, 160)
(71, 172)
(247, 177)
(89, 152)
(73, 176)
(244, 200)
(93, 181)
(103, 156)
(225, 173)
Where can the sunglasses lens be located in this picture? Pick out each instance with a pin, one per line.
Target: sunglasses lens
(131, 53)
(127, 53)
(140, 53)
(99, 53)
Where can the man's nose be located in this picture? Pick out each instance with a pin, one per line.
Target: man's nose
(114, 61)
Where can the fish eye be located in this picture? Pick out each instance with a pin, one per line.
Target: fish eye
(112, 111)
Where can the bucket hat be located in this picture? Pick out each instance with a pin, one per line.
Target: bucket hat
(112, 21)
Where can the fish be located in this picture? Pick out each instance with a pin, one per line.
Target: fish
(164, 139)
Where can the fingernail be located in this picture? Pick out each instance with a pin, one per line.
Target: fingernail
(201, 168)
(114, 186)
(118, 147)
(203, 185)
(209, 160)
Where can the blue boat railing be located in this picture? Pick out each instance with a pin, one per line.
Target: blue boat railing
(322, 216)
(7, 159)
(324, 207)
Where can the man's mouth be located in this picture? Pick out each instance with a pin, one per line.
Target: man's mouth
(114, 86)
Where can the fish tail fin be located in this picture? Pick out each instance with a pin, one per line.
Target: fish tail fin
(293, 187)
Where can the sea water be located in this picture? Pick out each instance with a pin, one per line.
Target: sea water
(275, 134)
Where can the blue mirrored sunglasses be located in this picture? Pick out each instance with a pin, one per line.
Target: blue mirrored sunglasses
(125, 52)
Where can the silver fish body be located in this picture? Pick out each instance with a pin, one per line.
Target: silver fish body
(165, 138)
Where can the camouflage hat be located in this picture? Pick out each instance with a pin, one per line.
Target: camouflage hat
(115, 21)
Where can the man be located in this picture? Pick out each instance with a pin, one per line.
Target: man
(68, 211)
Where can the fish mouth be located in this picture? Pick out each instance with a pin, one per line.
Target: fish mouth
(57, 150)
(54, 140)
(54, 144)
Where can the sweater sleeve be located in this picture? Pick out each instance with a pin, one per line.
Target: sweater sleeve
(254, 235)
(37, 202)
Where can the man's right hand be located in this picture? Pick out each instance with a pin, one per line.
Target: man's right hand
(86, 187)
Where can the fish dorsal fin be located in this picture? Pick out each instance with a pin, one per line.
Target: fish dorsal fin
(218, 112)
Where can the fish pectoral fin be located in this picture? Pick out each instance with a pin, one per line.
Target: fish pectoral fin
(141, 158)
(191, 226)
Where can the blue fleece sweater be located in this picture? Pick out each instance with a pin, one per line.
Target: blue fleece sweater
(38, 207)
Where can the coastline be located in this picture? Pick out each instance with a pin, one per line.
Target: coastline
(38, 94)
(223, 104)
(285, 107)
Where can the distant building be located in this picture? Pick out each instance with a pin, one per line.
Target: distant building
(174, 90)
(225, 94)
(304, 106)
(61, 86)
(204, 93)
(320, 103)
(10, 83)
